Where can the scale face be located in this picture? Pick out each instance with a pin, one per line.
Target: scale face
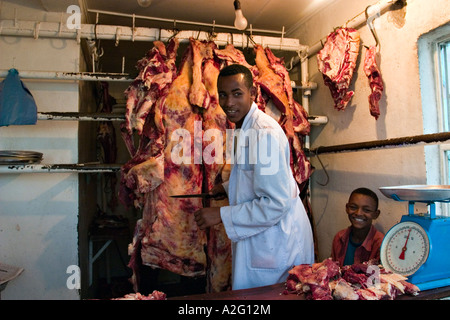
(405, 248)
(418, 247)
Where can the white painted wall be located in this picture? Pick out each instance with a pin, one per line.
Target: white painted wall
(39, 212)
(401, 115)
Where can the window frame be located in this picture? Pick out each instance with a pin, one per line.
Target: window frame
(435, 114)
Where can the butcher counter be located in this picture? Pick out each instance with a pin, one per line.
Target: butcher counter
(275, 292)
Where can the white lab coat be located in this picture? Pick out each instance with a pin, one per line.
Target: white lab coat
(266, 220)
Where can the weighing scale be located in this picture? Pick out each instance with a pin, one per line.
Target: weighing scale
(418, 247)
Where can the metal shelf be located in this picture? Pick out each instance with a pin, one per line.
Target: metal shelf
(78, 116)
(60, 168)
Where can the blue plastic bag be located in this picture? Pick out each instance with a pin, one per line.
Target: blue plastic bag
(17, 105)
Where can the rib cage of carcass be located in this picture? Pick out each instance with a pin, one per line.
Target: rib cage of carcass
(164, 98)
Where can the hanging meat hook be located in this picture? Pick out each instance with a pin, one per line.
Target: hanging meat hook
(251, 39)
(370, 20)
(323, 167)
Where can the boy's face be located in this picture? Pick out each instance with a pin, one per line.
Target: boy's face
(235, 98)
(361, 210)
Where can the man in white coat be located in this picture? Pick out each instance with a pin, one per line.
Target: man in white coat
(265, 220)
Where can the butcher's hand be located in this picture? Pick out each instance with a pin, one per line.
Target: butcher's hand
(218, 192)
(207, 217)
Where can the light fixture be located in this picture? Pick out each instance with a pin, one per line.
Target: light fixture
(239, 22)
(144, 3)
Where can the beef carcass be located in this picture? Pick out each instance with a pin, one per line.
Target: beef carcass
(273, 85)
(375, 81)
(272, 80)
(145, 170)
(167, 236)
(156, 71)
(337, 61)
(230, 55)
(215, 168)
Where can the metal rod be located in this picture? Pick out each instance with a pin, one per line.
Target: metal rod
(59, 75)
(212, 25)
(60, 168)
(80, 116)
(394, 142)
(108, 32)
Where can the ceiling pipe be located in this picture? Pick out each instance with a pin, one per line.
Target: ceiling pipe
(355, 23)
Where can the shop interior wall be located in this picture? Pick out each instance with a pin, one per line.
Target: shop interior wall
(401, 114)
(39, 211)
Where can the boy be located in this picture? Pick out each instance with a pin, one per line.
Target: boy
(266, 220)
(361, 241)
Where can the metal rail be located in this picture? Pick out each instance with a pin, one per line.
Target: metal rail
(394, 142)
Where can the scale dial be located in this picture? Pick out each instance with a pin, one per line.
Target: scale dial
(405, 248)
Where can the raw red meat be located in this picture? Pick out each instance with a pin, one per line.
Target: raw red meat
(157, 70)
(337, 61)
(155, 295)
(231, 55)
(375, 81)
(272, 81)
(215, 168)
(327, 281)
(167, 236)
(145, 170)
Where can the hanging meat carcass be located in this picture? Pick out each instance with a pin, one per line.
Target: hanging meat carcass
(375, 81)
(337, 61)
(273, 81)
(216, 171)
(166, 236)
(144, 171)
(203, 94)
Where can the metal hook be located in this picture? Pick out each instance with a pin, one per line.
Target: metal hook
(134, 28)
(282, 36)
(117, 36)
(253, 41)
(37, 27)
(371, 27)
(324, 170)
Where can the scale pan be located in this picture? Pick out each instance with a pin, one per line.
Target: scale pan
(424, 193)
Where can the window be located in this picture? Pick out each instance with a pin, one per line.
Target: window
(444, 77)
(443, 82)
(434, 68)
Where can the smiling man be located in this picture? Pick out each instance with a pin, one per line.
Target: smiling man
(265, 219)
(361, 241)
